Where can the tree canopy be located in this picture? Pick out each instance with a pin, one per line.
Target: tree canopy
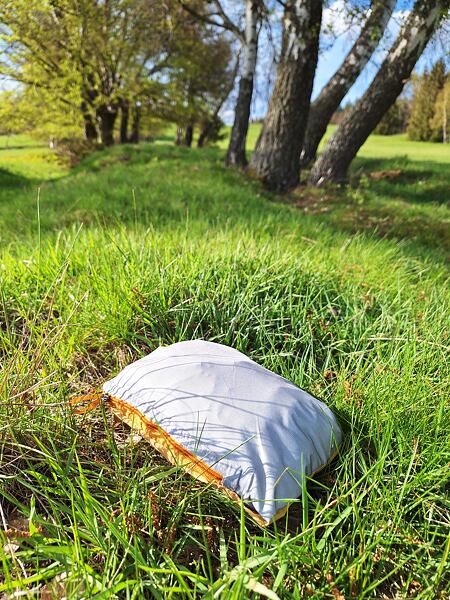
(104, 69)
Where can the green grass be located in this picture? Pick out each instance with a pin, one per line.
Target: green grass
(343, 292)
(24, 161)
(379, 146)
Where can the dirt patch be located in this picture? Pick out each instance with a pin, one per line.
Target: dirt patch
(388, 174)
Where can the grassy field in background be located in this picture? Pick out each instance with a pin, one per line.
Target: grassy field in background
(343, 291)
(380, 146)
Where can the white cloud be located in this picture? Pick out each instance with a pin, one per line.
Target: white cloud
(337, 21)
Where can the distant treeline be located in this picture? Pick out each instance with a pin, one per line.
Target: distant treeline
(422, 111)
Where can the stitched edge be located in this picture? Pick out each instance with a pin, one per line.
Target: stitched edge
(178, 455)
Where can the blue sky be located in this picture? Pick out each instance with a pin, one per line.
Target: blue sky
(333, 52)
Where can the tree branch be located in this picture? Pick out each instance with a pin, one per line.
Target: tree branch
(226, 23)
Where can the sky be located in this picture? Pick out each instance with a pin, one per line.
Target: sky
(333, 51)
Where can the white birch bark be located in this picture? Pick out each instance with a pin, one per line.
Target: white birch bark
(236, 149)
(333, 162)
(332, 94)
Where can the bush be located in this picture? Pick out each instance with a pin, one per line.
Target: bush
(70, 151)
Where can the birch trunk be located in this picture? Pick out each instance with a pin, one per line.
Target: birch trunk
(179, 136)
(276, 159)
(236, 148)
(333, 162)
(330, 97)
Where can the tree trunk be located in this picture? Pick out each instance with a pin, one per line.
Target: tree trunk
(136, 125)
(276, 159)
(330, 97)
(89, 96)
(189, 135)
(236, 148)
(124, 118)
(203, 136)
(444, 115)
(107, 117)
(90, 129)
(179, 136)
(333, 163)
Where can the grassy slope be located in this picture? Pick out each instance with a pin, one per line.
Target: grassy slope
(154, 244)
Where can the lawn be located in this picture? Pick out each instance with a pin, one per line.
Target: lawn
(345, 292)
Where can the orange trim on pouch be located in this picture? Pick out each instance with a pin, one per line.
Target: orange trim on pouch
(164, 443)
(94, 400)
(172, 451)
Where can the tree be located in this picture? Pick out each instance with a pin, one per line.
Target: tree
(214, 14)
(425, 92)
(136, 124)
(201, 77)
(276, 159)
(33, 57)
(236, 148)
(13, 114)
(124, 118)
(211, 123)
(331, 96)
(333, 162)
(94, 55)
(421, 109)
(440, 123)
(396, 118)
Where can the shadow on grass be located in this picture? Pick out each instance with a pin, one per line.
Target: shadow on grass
(417, 182)
(19, 147)
(179, 179)
(11, 181)
(396, 199)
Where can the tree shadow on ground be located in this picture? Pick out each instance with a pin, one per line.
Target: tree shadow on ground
(423, 234)
(170, 180)
(415, 182)
(10, 180)
(387, 198)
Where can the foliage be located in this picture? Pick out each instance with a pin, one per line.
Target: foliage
(395, 120)
(80, 62)
(440, 123)
(426, 88)
(202, 73)
(12, 113)
(70, 151)
(31, 110)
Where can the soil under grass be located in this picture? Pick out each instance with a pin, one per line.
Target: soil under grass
(343, 291)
